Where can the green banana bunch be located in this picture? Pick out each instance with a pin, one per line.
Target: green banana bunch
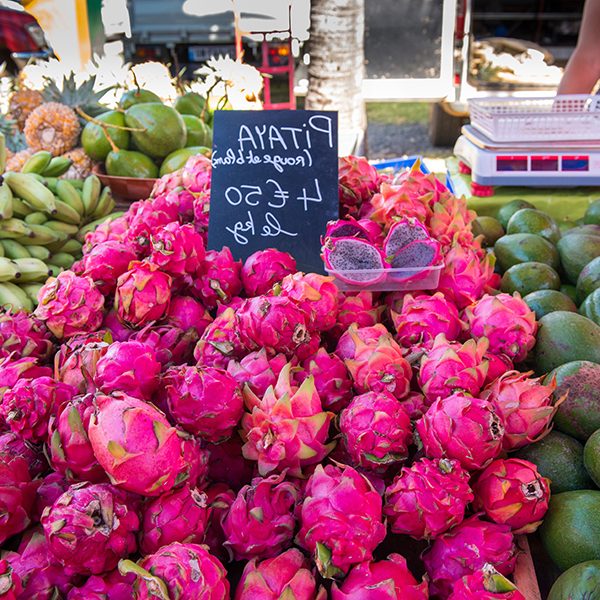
(31, 191)
(90, 194)
(68, 194)
(58, 166)
(37, 162)
(13, 228)
(13, 297)
(8, 269)
(32, 269)
(106, 204)
(31, 289)
(12, 249)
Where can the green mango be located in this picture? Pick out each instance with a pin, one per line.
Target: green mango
(177, 159)
(163, 128)
(128, 163)
(93, 138)
(137, 96)
(191, 103)
(198, 132)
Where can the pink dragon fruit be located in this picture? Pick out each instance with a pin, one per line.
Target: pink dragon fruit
(90, 528)
(512, 491)
(462, 428)
(464, 276)
(195, 460)
(70, 304)
(263, 269)
(143, 294)
(220, 342)
(186, 313)
(118, 331)
(109, 231)
(340, 519)
(402, 233)
(219, 497)
(485, 584)
(257, 370)
(195, 174)
(376, 431)
(506, 321)
(347, 344)
(423, 317)
(130, 367)
(451, 367)
(260, 522)
(17, 495)
(22, 368)
(358, 180)
(450, 222)
(106, 262)
(316, 294)
(393, 203)
(415, 405)
(524, 405)
(388, 579)
(201, 209)
(167, 183)
(110, 586)
(348, 227)
(145, 218)
(287, 575)
(181, 515)
(205, 401)
(275, 322)
(498, 364)
(466, 548)
(428, 498)
(416, 183)
(11, 587)
(49, 490)
(354, 260)
(22, 334)
(331, 377)
(76, 360)
(379, 367)
(135, 445)
(177, 249)
(69, 449)
(414, 260)
(183, 571)
(228, 465)
(16, 445)
(286, 428)
(219, 278)
(171, 345)
(42, 575)
(28, 406)
(360, 308)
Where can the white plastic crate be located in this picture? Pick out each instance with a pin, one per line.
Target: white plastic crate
(561, 118)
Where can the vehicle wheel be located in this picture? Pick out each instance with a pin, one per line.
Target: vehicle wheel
(444, 129)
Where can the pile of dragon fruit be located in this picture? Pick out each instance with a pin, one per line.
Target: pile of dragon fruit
(171, 418)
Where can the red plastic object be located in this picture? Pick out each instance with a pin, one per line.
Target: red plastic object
(463, 168)
(481, 190)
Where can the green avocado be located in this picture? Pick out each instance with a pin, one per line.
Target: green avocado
(529, 277)
(543, 302)
(580, 582)
(191, 103)
(525, 247)
(178, 158)
(128, 163)
(558, 457)
(198, 132)
(570, 531)
(579, 413)
(161, 128)
(588, 280)
(489, 228)
(529, 220)
(576, 251)
(585, 229)
(506, 211)
(569, 290)
(93, 137)
(563, 337)
(592, 214)
(137, 96)
(590, 307)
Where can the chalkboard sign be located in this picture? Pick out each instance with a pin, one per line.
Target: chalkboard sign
(274, 182)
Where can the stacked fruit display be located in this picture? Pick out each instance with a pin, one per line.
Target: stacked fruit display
(198, 415)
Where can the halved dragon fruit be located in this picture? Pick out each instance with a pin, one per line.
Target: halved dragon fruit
(419, 254)
(347, 228)
(402, 233)
(354, 260)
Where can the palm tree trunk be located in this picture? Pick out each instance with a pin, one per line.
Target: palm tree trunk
(336, 69)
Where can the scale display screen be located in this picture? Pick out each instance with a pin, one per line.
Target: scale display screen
(575, 163)
(511, 163)
(544, 163)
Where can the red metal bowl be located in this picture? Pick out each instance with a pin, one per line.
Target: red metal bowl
(131, 188)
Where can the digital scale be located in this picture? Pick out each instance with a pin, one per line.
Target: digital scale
(528, 163)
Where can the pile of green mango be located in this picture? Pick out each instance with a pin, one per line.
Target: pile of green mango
(147, 137)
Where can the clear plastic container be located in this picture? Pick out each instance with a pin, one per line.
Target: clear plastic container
(388, 280)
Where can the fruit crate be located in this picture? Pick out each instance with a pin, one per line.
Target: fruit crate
(574, 117)
(390, 280)
(524, 575)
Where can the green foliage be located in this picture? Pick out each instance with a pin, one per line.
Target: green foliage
(398, 113)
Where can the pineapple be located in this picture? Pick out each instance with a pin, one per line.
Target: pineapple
(53, 127)
(16, 161)
(13, 137)
(81, 164)
(21, 103)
